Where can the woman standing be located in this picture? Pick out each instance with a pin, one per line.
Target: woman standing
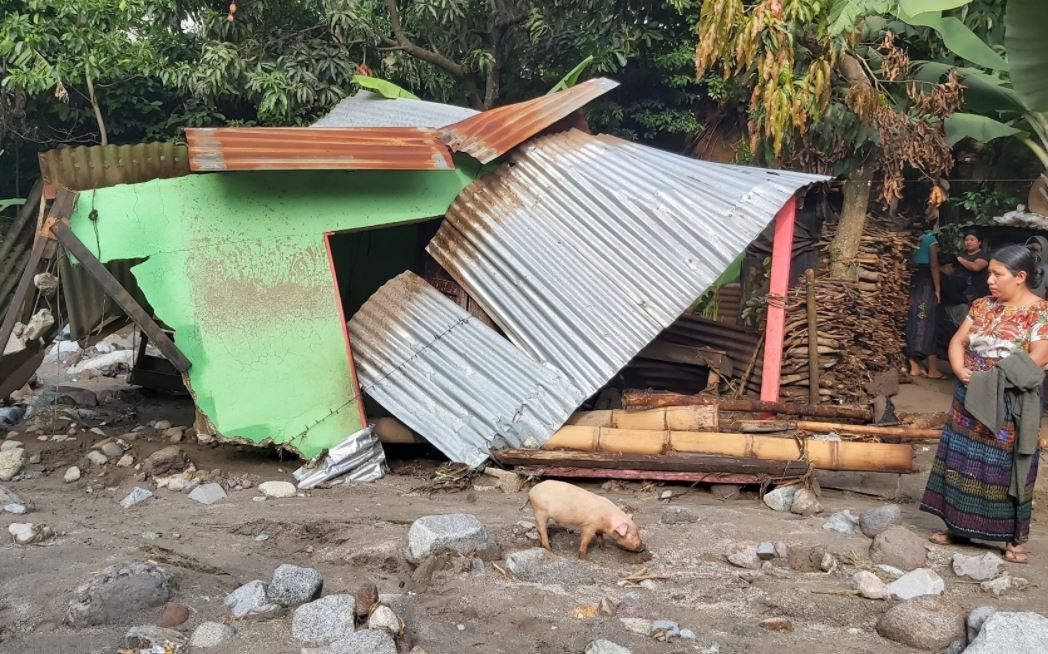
(924, 308)
(974, 260)
(982, 480)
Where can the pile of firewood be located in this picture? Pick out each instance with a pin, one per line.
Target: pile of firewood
(860, 325)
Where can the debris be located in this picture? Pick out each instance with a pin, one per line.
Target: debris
(293, 585)
(976, 618)
(210, 635)
(1015, 633)
(460, 532)
(278, 489)
(979, 568)
(873, 522)
(97, 458)
(664, 630)
(126, 461)
(676, 515)
(782, 550)
(11, 462)
(27, 533)
(107, 365)
(927, 623)
(890, 570)
(1003, 584)
(174, 614)
(601, 646)
(358, 458)
(805, 502)
(367, 641)
(899, 547)
(921, 581)
(507, 481)
(781, 499)
(536, 565)
(745, 557)
(163, 461)
(46, 283)
(584, 612)
(367, 597)
(870, 585)
(208, 493)
(71, 475)
(806, 559)
(251, 599)
(147, 637)
(136, 496)
(843, 522)
(324, 620)
(10, 415)
(384, 618)
(777, 624)
(118, 591)
(766, 551)
(38, 324)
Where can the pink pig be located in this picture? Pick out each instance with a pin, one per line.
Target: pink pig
(596, 516)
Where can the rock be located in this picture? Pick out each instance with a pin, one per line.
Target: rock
(148, 636)
(126, 461)
(870, 585)
(27, 533)
(843, 522)
(208, 493)
(68, 395)
(506, 480)
(71, 475)
(781, 499)
(162, 425)
(250, 599)
(173, 615)
(805, 502)
(10, 445)
(979, 568)
(460, 532)
(687, 634)
(782, 550)
(890, 570)
(174, 434)
(745, 557)
(136, 496)
(324, 620)
(118, 591)
(112, 450)
(828, 563)
(278, 489)
(107, 365)
(664, 630)
(293, 585)
(976, 618)
(777, 624)
(97, 458)
(13, 502)
(921, 581)
(163, 461)
(368, 641)
(210, 635)
(1014, 633)
(899, 547)
(766, 551)
(538, 566)
(637, 625)
(676, 515)
(11, 415)
(11, 462)
(1003, 584)
(927, 623)
(16, 509)
(873, 522)
(34, 458)
(367, 596)
(601, 646)
(384, 618)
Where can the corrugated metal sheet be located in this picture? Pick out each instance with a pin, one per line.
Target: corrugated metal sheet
(367, 109)
(495, 132)
(316, 148)
(451, 378)
(98, 166)
(739, 343)
(585, 248)
(87, 307)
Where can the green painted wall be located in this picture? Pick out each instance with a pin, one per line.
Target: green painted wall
(237, 266)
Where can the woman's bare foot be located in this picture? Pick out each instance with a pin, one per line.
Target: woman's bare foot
(946, 538)
(1014, 553)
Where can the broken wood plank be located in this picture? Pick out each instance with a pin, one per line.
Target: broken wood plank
(633, 399)
(645, 475)
(912, 433)
(691, 355)
(705, 463)
(679, 418)
(119, 294)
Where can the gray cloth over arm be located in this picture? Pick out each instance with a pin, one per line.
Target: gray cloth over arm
(1019, 377)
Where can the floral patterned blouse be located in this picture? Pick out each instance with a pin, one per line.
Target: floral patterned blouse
(998, 330)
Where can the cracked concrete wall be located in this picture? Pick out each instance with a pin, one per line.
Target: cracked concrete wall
(237, 265)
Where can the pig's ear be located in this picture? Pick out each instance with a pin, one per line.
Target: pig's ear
(622, 529)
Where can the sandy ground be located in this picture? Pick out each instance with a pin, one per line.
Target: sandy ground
(357, 533)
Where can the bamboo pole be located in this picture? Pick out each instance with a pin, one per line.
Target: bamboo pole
(824, 455)
(674, 418)
(634, 400)
(915, 433)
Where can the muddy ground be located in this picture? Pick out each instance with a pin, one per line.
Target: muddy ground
(357, 533)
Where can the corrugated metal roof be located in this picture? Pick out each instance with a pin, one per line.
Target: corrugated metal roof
(98, 166)
(316, 148)
(367, 109)
(495, 132)
(451, 378)
(584, 248)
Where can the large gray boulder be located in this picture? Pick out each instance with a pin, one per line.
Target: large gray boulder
(251, 599)
(929, 623)
(873, 522)
(460, 532)
(367, 641)
(293, 585)
(1011, 633)
(324, 620)
(118, 591)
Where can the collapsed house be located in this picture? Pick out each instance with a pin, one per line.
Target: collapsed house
(479, 276)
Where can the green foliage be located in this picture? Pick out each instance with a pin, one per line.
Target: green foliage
(1027, 44)
(387, 90)
(960, 126)
(572, 78)
(985, 203)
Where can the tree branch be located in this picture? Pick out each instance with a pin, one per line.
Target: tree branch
(401, 39)
(104, 136)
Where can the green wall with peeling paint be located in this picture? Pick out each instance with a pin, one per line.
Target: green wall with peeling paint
(237, 266)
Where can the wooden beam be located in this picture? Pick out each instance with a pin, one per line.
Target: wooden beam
(111, 285)
(633, 400)
(678, 418)
(707, 463)
(562, 472)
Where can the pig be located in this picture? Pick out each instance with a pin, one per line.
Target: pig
(596, 516)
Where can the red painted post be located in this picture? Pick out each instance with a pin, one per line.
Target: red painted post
(774, 331)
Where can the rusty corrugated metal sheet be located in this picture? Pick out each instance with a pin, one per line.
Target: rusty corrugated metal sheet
(98, 166)
(316, 148)
(450, 377)
(495, 132)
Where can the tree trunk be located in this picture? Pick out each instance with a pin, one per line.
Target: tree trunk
(103, 136)
(845, 246)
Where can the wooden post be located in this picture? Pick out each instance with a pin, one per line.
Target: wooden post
(813, 340)
(779, 284)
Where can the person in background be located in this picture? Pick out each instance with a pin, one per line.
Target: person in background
(953, 306)
(1038, 245)
(924, 307)
(974, 260)
(981, 482)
